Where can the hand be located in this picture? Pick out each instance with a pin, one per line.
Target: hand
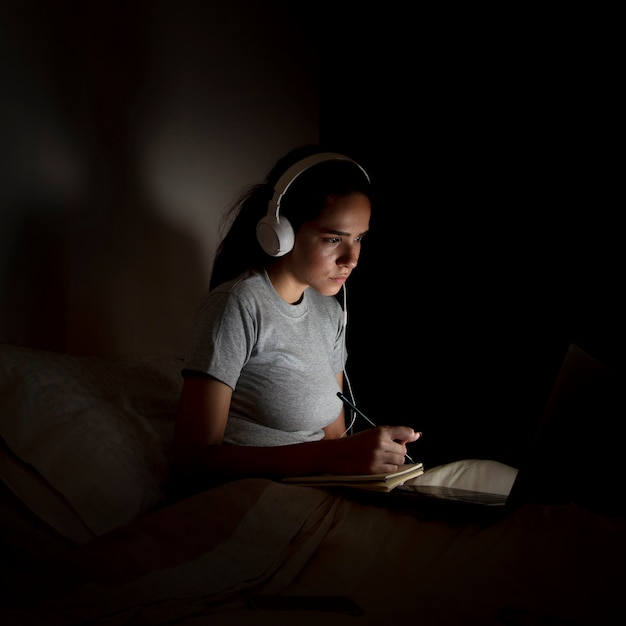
(375, 451)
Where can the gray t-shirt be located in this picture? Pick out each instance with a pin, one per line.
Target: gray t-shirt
(280, 359)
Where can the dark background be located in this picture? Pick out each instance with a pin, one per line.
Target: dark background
(494, 138)
(497, 237)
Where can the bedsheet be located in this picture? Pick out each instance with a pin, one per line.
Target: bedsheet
(198, 561)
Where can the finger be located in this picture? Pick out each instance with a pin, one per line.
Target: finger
(403, 434)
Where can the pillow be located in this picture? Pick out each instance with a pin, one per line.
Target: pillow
(36, 494)
(93, 433)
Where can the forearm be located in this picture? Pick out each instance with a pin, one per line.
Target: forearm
(229, 462)
(380, 449)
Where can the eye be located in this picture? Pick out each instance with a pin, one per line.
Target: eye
(332, 240)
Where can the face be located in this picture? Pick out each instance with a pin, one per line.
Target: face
(327, 248)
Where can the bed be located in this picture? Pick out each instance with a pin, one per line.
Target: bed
(94, 531)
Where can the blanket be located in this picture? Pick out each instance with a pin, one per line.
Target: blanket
(200, 560)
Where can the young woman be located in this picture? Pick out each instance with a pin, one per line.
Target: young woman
(267, 352)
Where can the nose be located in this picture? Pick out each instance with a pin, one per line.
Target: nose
(349, 258)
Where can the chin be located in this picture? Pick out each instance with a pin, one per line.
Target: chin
(333, 290)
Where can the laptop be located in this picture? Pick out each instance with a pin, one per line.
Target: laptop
(577, 451)
(575, 454)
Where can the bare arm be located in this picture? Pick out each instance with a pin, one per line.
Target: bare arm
(200, 426)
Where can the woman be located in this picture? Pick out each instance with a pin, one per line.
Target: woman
(267, 352)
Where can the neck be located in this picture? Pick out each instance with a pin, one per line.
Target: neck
(284, 284)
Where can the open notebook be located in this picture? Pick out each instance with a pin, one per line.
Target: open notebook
(576, 452)
(370, 482)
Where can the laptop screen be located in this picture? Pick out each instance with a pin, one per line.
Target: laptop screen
(576, 455)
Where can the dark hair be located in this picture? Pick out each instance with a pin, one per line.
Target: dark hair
(239, 249)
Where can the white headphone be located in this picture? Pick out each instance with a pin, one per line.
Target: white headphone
(274, 232)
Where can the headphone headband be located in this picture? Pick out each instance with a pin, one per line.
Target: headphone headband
(284, 182)
(275, 233)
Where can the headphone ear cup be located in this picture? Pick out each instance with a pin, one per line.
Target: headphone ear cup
(275, 236)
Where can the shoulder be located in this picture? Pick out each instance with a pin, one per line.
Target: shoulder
(250, 280)
(250, 285)
(245, 296)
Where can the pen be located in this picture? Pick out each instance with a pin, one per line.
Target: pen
(367, 419)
